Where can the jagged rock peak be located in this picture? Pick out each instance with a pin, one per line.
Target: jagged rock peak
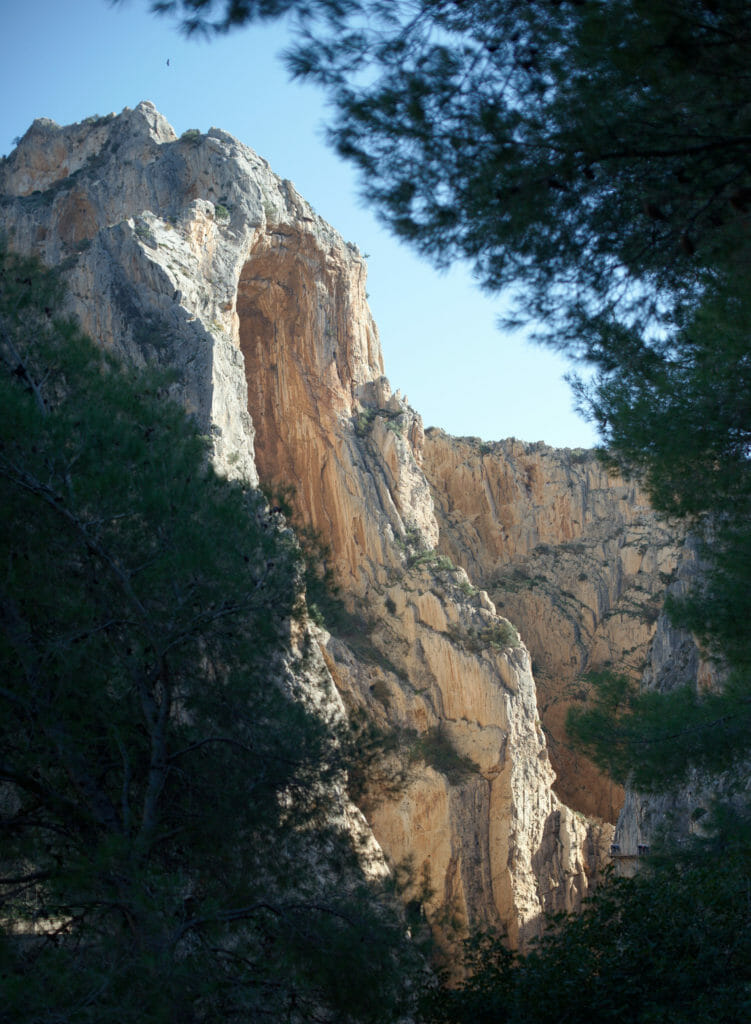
(48, 153)
(156, 231)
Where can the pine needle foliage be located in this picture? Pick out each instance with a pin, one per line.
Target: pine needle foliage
(653, 741)
(672, 944)
(170, 849)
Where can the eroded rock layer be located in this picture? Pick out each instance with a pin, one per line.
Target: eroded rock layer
(192, 254)
(573, 555)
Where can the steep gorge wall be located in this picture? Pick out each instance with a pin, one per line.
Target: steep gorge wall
(489, 846)
(574, 556)
(192, 254)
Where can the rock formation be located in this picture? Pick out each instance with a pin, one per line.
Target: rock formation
(573, 555)
(189, 252)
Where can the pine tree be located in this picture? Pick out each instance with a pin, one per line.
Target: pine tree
(170, 847)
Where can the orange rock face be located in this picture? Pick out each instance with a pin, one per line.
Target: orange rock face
(573, 556)
(427, 654)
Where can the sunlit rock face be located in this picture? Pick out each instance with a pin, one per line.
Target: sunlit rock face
(574, 556)
(190, 253)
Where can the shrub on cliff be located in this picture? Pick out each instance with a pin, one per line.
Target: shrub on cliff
(167, 849)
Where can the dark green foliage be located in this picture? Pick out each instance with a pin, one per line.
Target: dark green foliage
(485, 996)
(322, 597)
(167, 851)
(672, 945)
(681, 419)
(199, 16)
(377, 766)
(653, 740)
(436, 749)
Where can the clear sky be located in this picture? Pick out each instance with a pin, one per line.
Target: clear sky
(69, 59)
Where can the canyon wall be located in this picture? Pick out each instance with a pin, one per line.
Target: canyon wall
(190, 253)
(574, 556)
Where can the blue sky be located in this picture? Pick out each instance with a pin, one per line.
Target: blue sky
(69, 59)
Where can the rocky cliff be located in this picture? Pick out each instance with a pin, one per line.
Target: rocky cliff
(189, 252)
(574, 556)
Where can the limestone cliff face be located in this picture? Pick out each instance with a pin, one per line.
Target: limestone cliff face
(192, 254)
(573, 555)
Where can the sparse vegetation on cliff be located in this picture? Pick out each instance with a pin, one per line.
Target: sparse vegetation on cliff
(365, 419)
(436, 749)
(431, 559)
